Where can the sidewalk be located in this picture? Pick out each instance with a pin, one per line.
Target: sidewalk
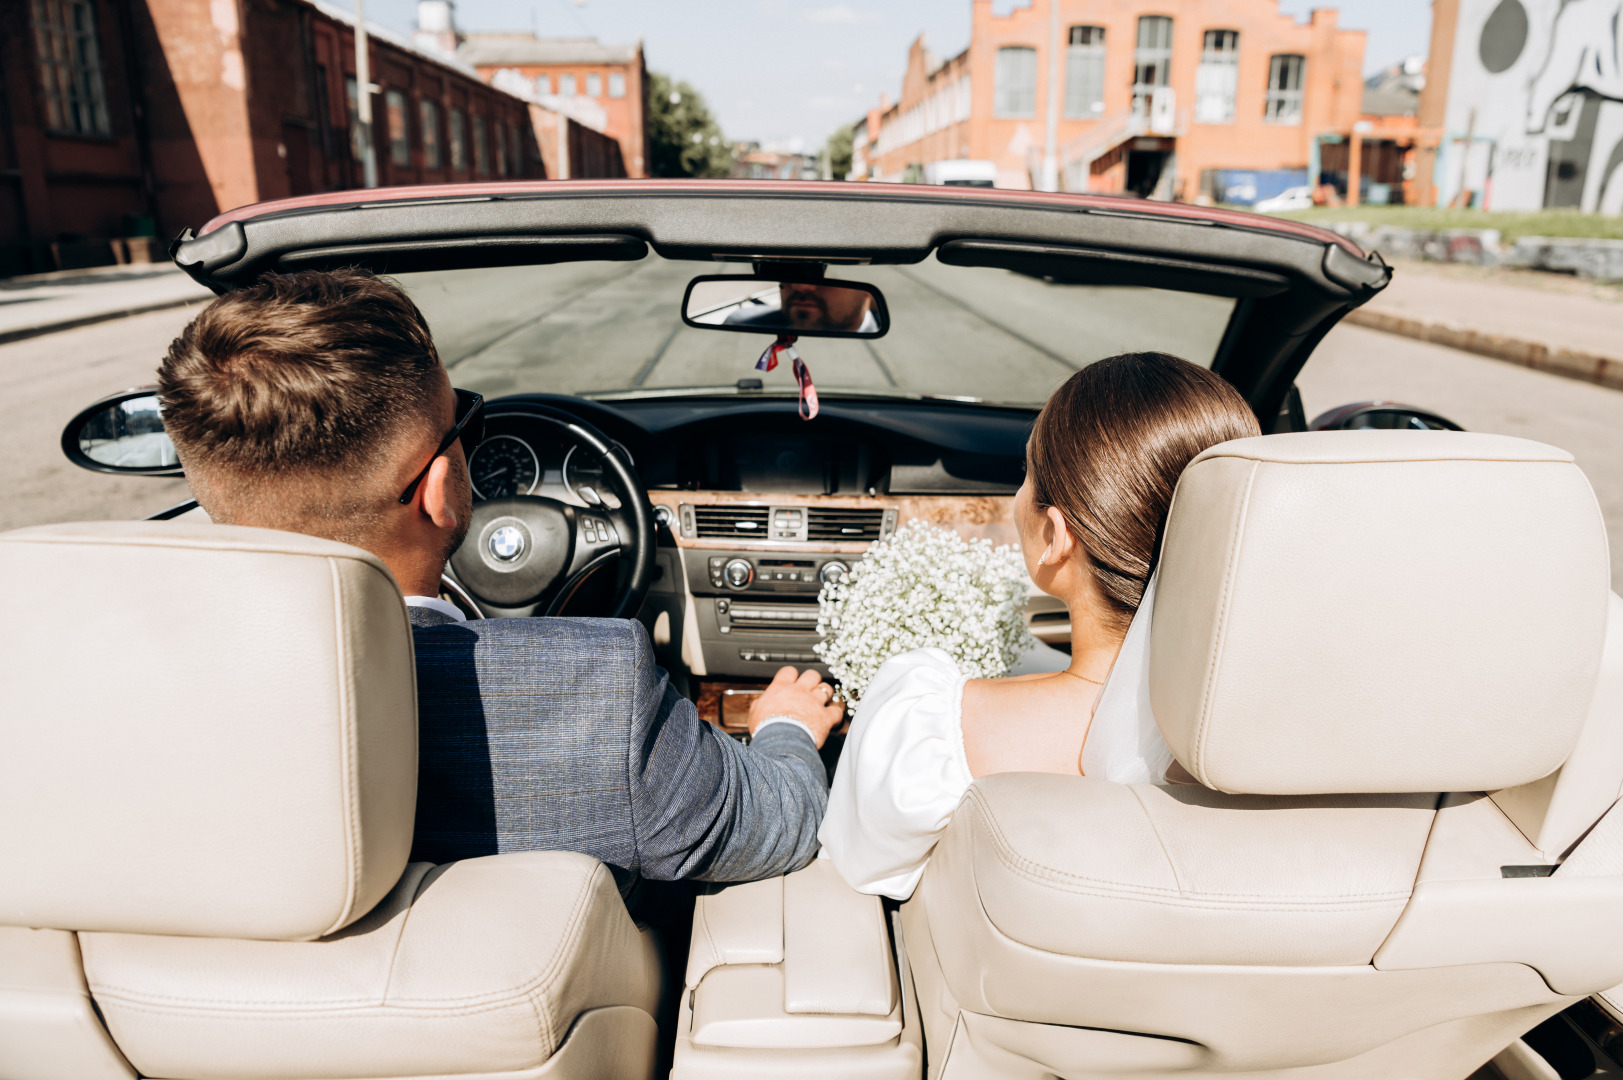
(45, 303)
(1543, 321)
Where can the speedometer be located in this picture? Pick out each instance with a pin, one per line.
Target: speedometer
(502, 467)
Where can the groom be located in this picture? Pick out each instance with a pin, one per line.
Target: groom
(315, 402)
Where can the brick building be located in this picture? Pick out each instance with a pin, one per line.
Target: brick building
(601, 87)
(1140, 96)
(124, 118)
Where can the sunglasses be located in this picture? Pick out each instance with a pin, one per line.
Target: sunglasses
(469, 430)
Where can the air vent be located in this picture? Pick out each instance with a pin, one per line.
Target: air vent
(731, 522)
(834, 523)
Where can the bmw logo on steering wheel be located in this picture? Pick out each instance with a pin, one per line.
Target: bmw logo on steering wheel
(506, 543)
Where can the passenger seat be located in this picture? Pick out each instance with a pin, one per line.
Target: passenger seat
(1393, 663)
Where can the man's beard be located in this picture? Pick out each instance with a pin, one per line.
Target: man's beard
(462, 493)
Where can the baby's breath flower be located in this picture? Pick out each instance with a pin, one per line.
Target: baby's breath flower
(923, 587)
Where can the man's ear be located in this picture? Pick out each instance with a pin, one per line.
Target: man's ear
(435, 492)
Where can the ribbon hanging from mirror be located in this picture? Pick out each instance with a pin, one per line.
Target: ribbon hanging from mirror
(785, 346)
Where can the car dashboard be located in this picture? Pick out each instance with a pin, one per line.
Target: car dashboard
(758, 510)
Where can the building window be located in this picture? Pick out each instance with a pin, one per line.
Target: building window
(499, 141)
(518, 151)
(481, 153)
(566, 86)
(1152, 60)
(459, 140)
(543, 85)
(1217, 77)
(394, 108)
(1284, 102)
(1085, 73)
(70, 67)
(594, 86)
(617, 84)
(1015, 91)
(430, 117)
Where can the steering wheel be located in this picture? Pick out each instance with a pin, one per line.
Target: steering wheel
(528, 554)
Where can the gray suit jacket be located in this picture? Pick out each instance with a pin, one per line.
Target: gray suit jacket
(562, 734)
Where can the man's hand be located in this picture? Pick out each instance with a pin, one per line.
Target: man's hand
(802, 695)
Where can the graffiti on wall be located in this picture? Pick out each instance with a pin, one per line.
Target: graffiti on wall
(1535, 106)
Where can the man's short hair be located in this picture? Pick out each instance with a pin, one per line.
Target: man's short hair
(288, 396)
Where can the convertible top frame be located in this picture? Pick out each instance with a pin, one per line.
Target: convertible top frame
(1293, 282)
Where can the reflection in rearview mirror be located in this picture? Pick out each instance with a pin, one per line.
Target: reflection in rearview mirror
(128, 434)
(802, 308)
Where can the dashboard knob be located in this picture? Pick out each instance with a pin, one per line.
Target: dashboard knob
(833, 572)
(738, 573)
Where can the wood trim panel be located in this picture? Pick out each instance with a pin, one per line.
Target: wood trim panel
(971, 516)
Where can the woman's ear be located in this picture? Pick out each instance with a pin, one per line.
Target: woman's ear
(1057, 538)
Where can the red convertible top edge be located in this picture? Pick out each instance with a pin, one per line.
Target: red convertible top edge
(844, 189)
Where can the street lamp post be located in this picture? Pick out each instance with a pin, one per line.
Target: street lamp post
(1049, 181)
(363, 99)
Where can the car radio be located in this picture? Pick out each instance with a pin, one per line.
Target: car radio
(741, 573)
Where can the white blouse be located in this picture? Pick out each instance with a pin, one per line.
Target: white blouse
(903, 770)
(900, 776)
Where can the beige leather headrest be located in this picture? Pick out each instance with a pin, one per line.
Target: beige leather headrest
(1378, 611)
(206, 730)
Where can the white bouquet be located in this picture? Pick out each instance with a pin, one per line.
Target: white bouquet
(920, 587)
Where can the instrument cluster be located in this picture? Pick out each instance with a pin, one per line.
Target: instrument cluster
(517, 459)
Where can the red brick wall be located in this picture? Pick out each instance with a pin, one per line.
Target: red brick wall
(625, 118)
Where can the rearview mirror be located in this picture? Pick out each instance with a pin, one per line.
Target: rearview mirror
(122, 434)
(758, 305)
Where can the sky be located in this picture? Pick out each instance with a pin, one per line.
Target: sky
(788, 72)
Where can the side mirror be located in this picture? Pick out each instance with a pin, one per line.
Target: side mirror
(1382, 416)
(762, 305)
(122, 434)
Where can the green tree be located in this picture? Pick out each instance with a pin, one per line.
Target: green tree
(838, 150)
(683, 137)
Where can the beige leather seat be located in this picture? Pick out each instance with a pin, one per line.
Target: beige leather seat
(1393, 662)
(208, 763)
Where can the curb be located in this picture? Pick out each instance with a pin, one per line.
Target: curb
(1572, 364)
(8, 336)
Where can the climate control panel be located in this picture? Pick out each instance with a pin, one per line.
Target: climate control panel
(757, 573)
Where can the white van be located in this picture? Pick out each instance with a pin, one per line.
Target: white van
(961, 173)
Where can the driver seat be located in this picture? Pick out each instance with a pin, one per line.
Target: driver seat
(208, 770)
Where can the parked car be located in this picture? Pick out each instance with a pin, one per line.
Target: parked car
(212, 857)
(1294, 198)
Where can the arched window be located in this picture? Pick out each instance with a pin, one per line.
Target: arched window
(1085, 73)
(1217, 77)
(1284, 101)
(1015, 89)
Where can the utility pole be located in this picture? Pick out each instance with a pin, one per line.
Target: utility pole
(363, 99)
(1049, 181)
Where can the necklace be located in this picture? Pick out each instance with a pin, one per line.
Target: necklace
(1084, 678)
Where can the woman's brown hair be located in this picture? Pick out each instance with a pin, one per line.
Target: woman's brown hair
(1107, 450)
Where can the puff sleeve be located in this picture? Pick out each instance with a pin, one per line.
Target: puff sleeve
(900, 776)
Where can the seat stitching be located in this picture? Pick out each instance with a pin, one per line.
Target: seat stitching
(1219, 637)
(394, 954)
(347, 738)
(1040, 873)
(1159, 840)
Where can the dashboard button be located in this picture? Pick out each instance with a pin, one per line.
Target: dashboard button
(739, 573)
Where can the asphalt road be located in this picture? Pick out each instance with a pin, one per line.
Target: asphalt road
(970, 339)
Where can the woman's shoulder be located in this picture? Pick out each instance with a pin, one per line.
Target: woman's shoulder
(915, 677)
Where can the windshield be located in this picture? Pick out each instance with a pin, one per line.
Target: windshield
(615, 327)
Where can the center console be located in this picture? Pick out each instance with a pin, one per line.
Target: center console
(758, 611)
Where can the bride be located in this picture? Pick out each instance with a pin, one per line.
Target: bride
(1101, 463)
